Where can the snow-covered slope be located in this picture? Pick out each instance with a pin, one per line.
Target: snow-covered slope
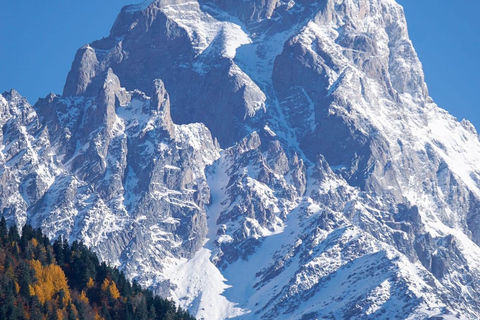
(296, 169)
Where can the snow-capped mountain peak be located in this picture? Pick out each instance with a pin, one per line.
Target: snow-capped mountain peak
(257, 159)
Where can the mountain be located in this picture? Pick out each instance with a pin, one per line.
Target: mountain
(257, 159)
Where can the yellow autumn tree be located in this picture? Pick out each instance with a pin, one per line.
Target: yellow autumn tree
(110, 287)
(31, 290)
(83, 297)
(50, 281)
(114, 293)
(105, 284)
(90, 283)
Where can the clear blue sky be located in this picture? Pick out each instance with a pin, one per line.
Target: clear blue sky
(38, 40)
(446, 35)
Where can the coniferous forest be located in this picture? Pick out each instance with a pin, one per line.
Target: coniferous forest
(40, 280)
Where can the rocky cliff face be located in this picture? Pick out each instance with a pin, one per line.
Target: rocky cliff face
(337, 188)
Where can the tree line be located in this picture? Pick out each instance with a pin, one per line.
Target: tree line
(40, 280)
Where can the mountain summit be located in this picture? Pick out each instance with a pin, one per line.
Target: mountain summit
(258, 159)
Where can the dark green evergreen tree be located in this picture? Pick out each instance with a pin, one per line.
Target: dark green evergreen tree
(71, 314)
(25, 277)
(13, 235)
(3, 229)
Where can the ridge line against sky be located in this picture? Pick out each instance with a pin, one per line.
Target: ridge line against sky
(38, 41)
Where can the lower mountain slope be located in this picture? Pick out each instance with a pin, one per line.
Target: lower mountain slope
(40, 280)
